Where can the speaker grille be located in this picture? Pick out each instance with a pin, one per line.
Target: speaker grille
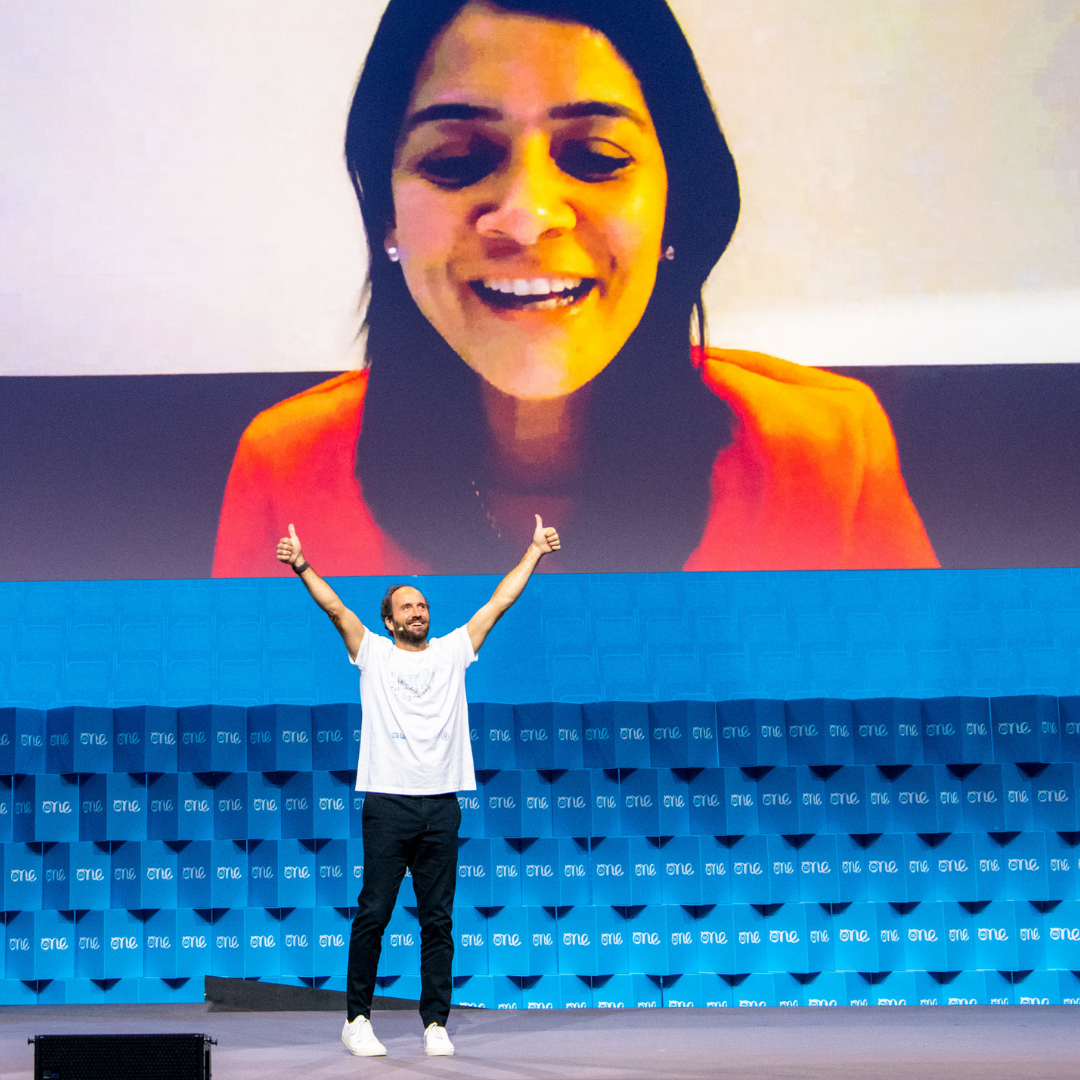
(116, 1057)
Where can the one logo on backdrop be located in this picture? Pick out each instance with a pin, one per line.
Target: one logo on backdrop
(411, 685)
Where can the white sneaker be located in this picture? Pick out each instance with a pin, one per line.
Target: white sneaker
(360, 1038)
(436, 1042)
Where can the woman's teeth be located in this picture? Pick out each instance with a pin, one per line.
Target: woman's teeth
(535, 294)
(532, 286)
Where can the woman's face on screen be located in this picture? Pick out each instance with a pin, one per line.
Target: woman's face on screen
(529, 194)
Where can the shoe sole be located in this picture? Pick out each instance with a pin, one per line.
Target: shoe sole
(438, 1053)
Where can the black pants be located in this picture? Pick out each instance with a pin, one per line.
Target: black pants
(419, 832)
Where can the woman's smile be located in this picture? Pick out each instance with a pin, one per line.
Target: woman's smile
(529, 198)
(533, 294)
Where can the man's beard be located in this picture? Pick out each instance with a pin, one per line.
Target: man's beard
(411, 637)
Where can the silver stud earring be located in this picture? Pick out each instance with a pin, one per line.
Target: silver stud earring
(669, 253)
(392, 254)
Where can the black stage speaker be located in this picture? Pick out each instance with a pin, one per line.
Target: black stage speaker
(122, 1057)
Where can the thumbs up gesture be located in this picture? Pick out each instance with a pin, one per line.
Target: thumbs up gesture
(288, 548)
(546, 539)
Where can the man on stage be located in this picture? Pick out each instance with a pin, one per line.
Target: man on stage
(415, 755)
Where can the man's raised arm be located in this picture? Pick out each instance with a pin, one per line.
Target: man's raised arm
(348, 625)
(544, 542)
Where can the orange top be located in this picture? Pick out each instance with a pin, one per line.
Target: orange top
(810, 481)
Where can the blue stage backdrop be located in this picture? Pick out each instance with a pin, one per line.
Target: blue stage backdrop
(575, 638)
(718, 824)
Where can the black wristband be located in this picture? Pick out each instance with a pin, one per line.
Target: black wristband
(301, 568)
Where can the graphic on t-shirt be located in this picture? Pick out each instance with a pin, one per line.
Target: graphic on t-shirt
(411, 685)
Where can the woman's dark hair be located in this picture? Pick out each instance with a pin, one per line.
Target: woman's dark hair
(653, 428)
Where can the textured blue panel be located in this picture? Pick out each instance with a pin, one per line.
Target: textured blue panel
(227, 945)
(126, 807)
(599, 723)
(297, 953)
(264, 801)
(471, 935)
(278, 738)
(511, 870)
(194, 940)
(887, 731)
(491, 729)
(683, 956)
(55, 812)
(914, 800)
(536, 803)
(715, 937)
(298, 808)
(751, 882)
(90, 870)
(751, 939)
(1063, 865)
(474, 874)
(956, 867)
(332, 743)
(886, 874)
(296, 873)
(673, 793)
(783, 868)
(160, 877)
(508, 952)
(127, 876)
(995, 936)
(502, 797)
(1062, 928)
(572, 803)
(1025, 868)
(645, 930)
(751, 732)
(330, 804)
(683, 876)
(990, 862)
(122, 945)
(819, 872)
(1025, 728)
(1054, 797)
(640, 803)
(1030, 936)
(959, 936)
(742, 801)
(543, 956)
(575, 884)
(612, 872)
(777, 798)
(846, 800)
(646, 869)
(956, 729)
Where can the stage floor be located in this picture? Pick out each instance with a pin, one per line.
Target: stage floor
(787, 1044)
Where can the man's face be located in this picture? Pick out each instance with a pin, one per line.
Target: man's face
(409, 622)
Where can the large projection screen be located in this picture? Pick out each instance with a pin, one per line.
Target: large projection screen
(181, 250)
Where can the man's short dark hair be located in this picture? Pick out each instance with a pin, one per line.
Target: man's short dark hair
(386, 609)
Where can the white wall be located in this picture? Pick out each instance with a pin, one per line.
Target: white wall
(173, 197)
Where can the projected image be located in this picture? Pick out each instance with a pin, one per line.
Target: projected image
(545, 188)
(709, 286)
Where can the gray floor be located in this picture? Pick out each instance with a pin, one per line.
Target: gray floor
(886, 1044)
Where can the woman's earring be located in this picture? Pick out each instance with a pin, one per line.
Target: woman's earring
(392, 254)
(669, 253)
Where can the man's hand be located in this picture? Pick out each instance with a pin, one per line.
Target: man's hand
(288, 548)
(545, 540)
(347, 624)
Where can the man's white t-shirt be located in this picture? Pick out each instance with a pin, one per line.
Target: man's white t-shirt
(414, 739)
